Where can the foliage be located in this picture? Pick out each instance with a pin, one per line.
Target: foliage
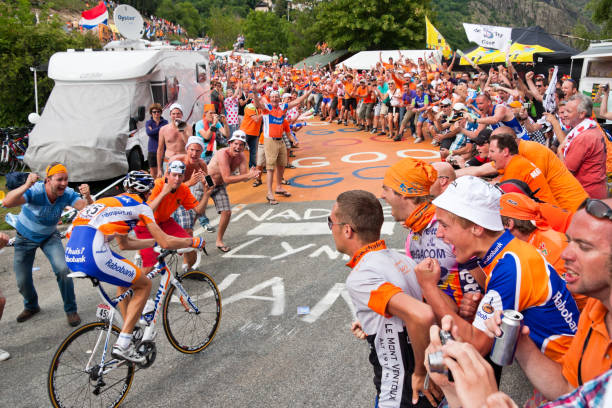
(265, 32)
(602, 14)
(183, 13)
(224, 27)
(25, 44)
(373, 24)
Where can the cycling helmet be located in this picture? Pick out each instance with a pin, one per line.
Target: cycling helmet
(138, 181)
(176, 166)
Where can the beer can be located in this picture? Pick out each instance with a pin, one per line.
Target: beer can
(504, 347)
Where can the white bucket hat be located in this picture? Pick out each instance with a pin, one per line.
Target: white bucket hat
(176, 106)
(238, 135)
(196, 140)
(473, 199)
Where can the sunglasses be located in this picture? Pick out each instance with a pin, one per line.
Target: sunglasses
(597, 208)
(156, 111)
(330, 223)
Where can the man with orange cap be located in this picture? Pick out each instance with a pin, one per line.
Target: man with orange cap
(42, 205)
(406, 188)
(523, 218)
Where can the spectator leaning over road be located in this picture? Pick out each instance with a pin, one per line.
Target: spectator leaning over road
(386, 297)
(222, 168)
(584, 149)
(513, 273)
(584, 375)
(152, 127)
(4, 355)
(42, 205)
(503, 151)
(172, 138)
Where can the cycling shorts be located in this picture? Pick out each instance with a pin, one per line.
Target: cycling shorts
(87, 251)
(170, 227)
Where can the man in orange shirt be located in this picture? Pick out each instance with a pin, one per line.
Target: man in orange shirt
(167, 195)
(503, 150)
(251, 125)
(350, 103)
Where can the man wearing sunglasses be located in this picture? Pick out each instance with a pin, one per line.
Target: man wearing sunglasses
(153, 126)
(383, 287)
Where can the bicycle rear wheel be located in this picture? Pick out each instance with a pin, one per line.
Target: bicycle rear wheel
(70, 384)
(190, 332)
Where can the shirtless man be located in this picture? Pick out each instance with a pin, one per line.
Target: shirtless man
(171, 139)
(195, 172)
(221, 168)
(495, 116)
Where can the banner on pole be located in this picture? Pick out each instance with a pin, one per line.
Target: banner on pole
(435, 40)
(486, 36)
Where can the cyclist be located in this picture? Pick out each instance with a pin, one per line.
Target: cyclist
(88, 249)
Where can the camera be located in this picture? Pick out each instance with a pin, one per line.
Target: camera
(181, 125)
(436, 360)
(605, 88)
(456, 116)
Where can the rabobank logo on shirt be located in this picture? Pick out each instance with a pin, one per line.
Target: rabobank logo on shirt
(75, 255)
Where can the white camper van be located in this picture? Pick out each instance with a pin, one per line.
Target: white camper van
(596, 69)
(94, 119)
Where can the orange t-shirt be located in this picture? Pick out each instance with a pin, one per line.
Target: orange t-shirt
(362, 92)
(566, 189)
(249, 126)
(587, 361)
(519, 168)
(182, 196)
(348, 90)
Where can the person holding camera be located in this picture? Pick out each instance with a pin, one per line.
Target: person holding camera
(604, 90)
(172, 138)
(211, 128)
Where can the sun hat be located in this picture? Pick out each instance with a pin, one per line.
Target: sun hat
(238, 135)
(176, 106)
(196, 140)
(473, 199)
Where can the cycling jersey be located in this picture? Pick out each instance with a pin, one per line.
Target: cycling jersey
(378, 274)
(426, 245)
(88, 250)
(519, 278)
(273, 119)
(513, 124)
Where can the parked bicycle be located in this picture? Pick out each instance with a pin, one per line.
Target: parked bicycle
(83, 372)
(13, 149)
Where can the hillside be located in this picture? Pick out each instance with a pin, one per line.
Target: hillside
(555, 16)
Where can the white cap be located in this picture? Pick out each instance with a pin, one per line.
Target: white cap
(445, 101)
(459, 106)
(406, 75)
(196, 140)
(176, 166)
(286, 95)
(238, 135)
(474, 199)
(176, 106)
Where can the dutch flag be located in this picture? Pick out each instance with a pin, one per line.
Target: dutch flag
(97, 15)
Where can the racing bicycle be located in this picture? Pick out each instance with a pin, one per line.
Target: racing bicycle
(83, 372)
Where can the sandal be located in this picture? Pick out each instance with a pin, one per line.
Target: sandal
(286, 182)
(223, 248)
(257, 183)
(271, 201)
(283, 193)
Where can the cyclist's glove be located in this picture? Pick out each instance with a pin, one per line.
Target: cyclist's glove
(197, 242)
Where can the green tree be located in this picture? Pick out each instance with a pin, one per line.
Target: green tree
(25, 44)
(602, 14)
(224, 28)
(373, 24)
(183, 13)
(265, 32)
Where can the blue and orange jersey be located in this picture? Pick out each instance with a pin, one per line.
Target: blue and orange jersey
(273, 119)
(117, 214)
(519, 278)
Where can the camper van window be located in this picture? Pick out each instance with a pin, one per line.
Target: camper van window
(172, 89)
(158, 91)
(201, 73)
(601, 68)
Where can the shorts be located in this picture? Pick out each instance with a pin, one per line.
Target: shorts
(395, 110)
(377, 109)
(186, 218)
(152, 159)
(421, 118)
(261, 156)
(87, 251)
(334, 103)
(369, 109)
(361, 110)
(276, 153)
(446, 143)
(220, 198)
(384, 109)
(170, 227)
(350, 103)
(407, 117)
(326, 101)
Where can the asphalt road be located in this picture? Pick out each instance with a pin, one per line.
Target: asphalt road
(264, 353)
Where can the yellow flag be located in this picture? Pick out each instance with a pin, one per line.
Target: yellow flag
(434, 39)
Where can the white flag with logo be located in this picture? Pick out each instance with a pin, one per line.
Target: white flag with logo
(489, 36)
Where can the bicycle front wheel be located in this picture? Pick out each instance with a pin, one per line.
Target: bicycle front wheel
(187, 330)
(75, 375)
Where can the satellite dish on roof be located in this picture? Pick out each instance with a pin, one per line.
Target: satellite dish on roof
(129, 22)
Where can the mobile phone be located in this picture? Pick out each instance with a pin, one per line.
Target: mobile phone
(209, 181)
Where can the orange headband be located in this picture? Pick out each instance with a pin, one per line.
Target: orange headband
(411, 177)
(58, 168)
(521, 207)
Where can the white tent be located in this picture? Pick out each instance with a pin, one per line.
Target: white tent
(368, 59)
(246, 57)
